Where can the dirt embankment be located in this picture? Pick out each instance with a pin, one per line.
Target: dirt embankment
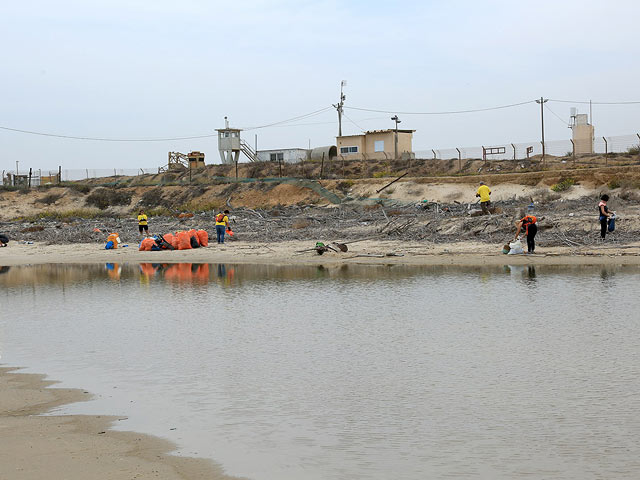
(435, 209)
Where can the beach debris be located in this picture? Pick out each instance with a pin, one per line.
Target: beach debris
(341, 246)
(392, 182)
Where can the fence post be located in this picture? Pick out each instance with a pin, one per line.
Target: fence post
(514, 151)
(459, 160)
(573, 150)
(59, 173)
(484, 154)
(30, 172)
(606, 151)
(321, 165)
(434, 154)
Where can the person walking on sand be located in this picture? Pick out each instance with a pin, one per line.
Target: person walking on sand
(222, 223)
(484, 193)
(143, 223)
(529, 222)
(605, 215)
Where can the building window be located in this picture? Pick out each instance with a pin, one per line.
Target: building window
(348, 150)
(276, 157)
(281, 157)
(378, 146)
(273, 157)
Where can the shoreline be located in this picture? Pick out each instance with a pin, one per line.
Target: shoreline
(373, 252)
(77, 447)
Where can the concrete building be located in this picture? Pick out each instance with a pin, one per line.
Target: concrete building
(375, 145)
(582, 134)
(286, 155)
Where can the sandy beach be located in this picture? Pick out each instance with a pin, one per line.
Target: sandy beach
(34, 447)
(291, 253)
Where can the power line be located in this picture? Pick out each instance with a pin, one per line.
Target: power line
(167, 139)
(596, 103)
(99, 139)
(348, 118)
(299, 117)
(556, 115)
(446, 112)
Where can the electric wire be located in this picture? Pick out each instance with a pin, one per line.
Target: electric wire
(166, 139)
(452, 112)
(348, 118)
(556, 115)
(299, 117)
(595, 103)
(100, 139)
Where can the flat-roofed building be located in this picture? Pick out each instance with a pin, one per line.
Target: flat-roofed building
(376, 145)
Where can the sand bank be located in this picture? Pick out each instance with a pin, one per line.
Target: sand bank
(78, 447)
(364, 252)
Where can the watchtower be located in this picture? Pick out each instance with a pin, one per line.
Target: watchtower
(230, 145)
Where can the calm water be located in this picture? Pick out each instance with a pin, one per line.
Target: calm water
(302, 373)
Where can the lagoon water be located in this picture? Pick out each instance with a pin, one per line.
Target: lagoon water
(359, 372)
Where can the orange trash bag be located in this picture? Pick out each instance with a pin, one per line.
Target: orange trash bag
(115, 238)
(184, 241)
(203, 238)
(171, 239)
(146, 244)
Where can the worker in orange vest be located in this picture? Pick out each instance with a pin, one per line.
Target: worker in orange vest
(529, 222)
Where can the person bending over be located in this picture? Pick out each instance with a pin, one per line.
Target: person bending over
(484, 193)
(529, 222)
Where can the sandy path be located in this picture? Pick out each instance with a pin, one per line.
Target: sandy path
(285, 253)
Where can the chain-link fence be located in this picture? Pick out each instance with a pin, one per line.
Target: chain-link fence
(520, 151)
(337, 168)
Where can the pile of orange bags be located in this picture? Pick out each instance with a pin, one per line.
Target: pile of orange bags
(184, 240)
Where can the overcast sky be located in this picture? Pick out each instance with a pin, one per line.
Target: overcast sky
(140, 69)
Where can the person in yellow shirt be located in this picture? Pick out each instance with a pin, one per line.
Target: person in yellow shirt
(143, 223)
(222, 223)
(484, 193)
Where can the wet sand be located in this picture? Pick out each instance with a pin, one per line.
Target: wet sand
(363, 252)
(78, 447)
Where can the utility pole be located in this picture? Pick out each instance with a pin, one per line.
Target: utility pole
(339, 106)
(397, 120)
(542, 101)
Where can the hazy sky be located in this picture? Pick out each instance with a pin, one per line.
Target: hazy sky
(157, 69)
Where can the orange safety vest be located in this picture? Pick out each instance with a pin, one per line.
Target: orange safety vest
(528, 220)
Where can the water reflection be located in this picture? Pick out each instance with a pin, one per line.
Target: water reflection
(234, 274)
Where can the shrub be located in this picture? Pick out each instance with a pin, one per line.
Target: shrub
(614, 183)
(86, 213)
(300, 223)
(49, 199)
(563, 185)
(344, 185)
(635, 150)
(105, 197)
(157, 212)
(382, 173)
(79, 187)
(152, 198)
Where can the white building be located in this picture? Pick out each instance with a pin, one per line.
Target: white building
(286, 155)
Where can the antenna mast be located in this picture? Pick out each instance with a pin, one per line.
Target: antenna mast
(338, 106)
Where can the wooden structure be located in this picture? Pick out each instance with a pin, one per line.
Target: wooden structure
(179, 162)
